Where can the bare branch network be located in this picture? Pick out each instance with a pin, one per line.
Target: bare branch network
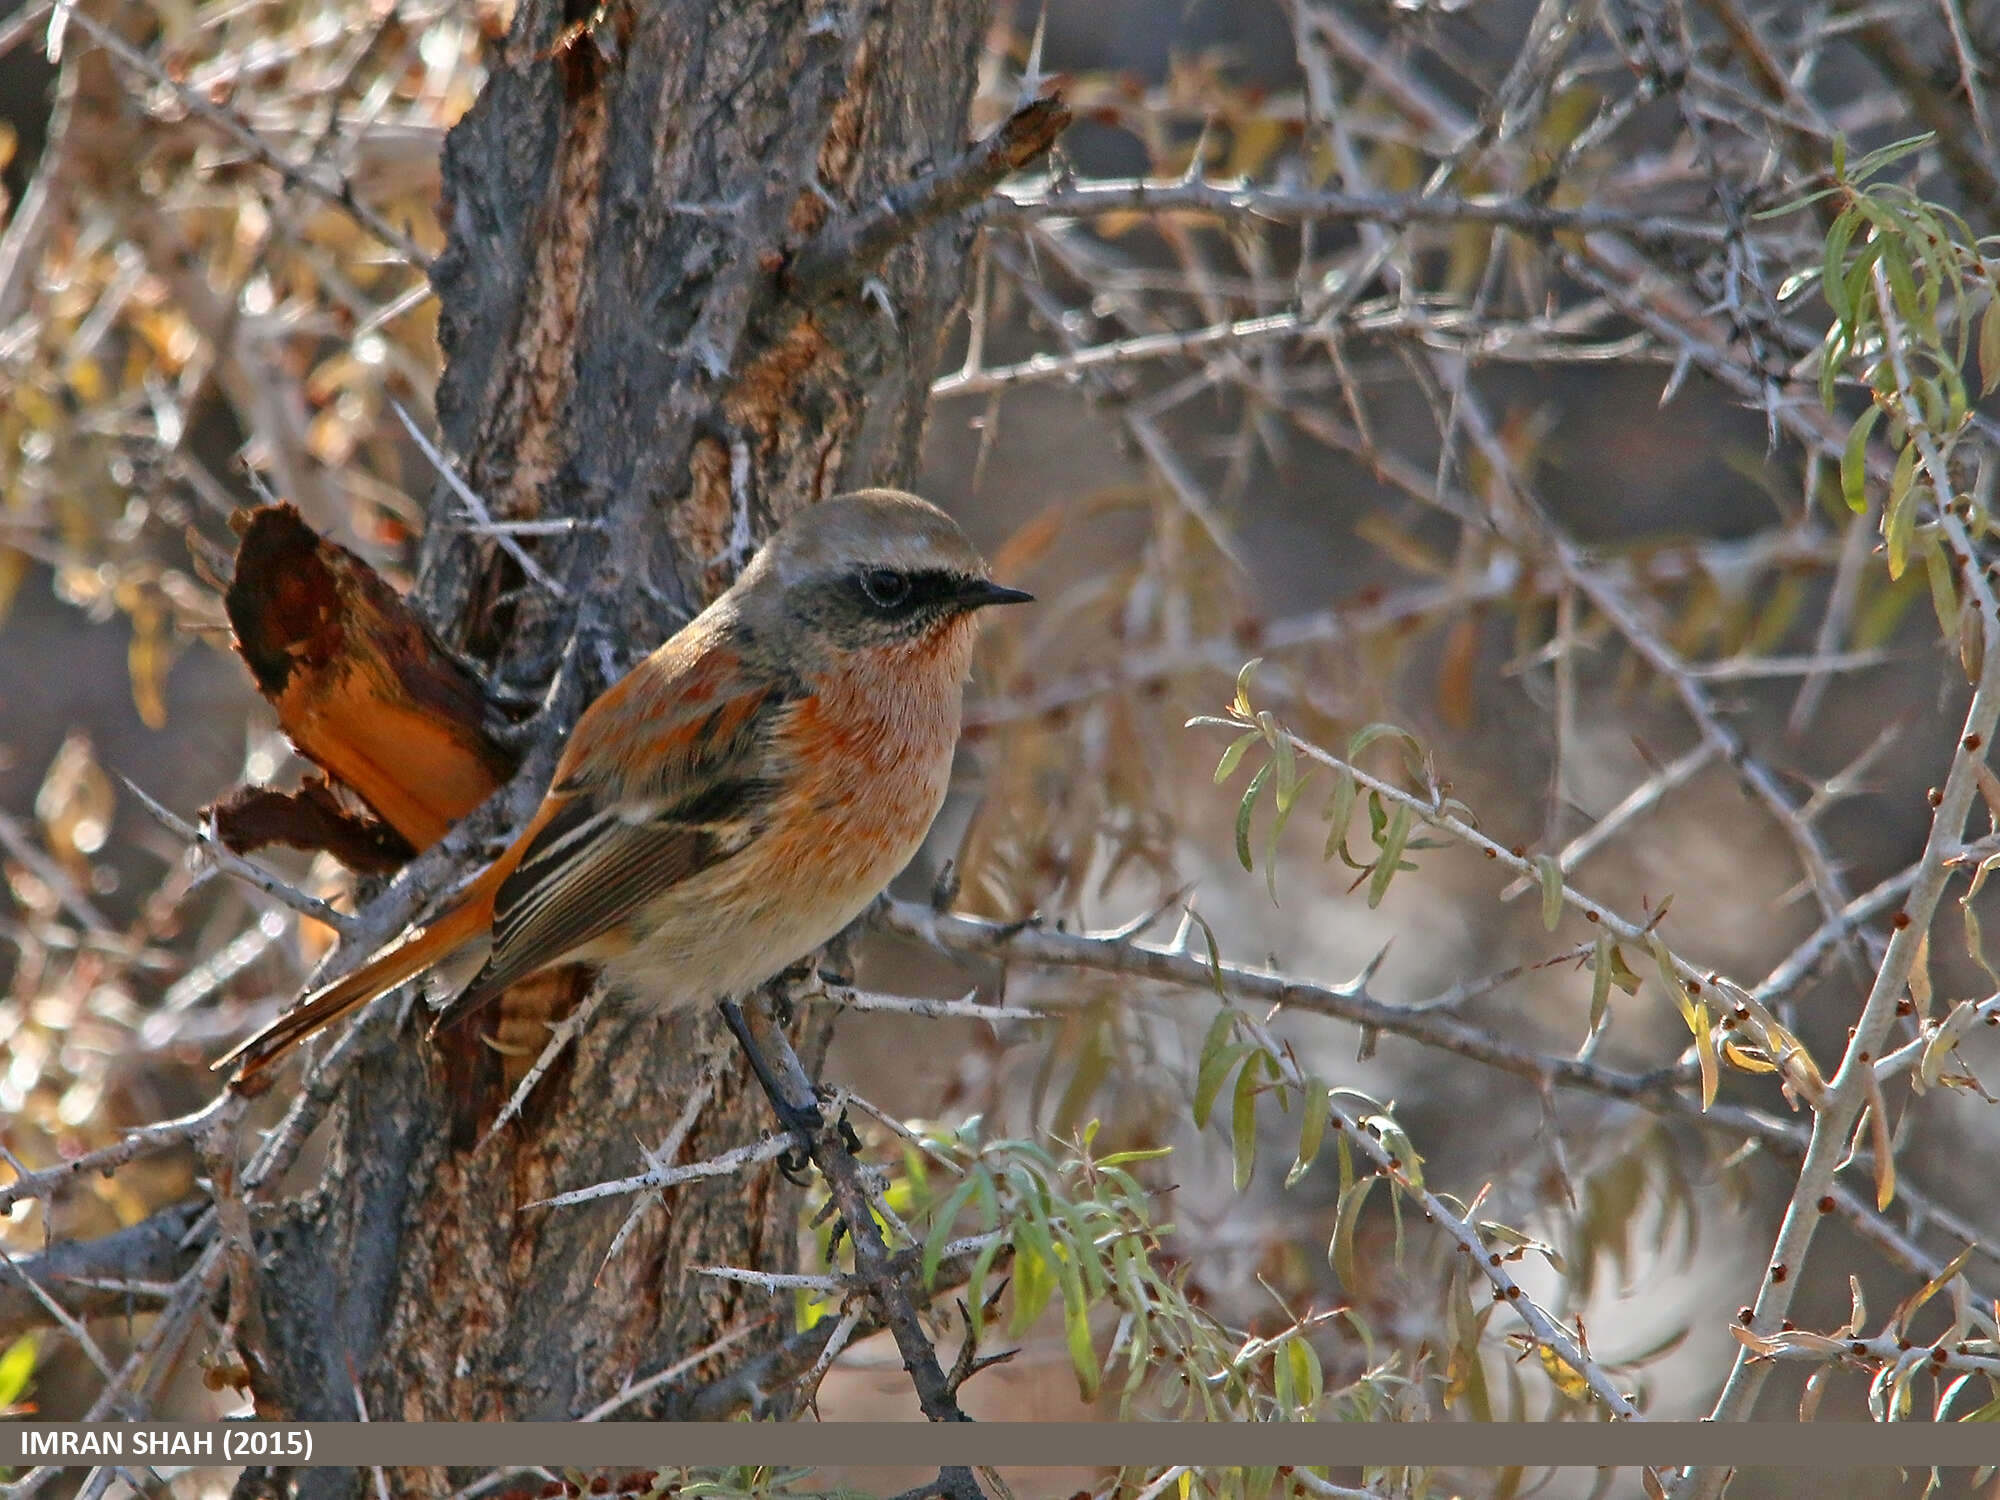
(1607, 400)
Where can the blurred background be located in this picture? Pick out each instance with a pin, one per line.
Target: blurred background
(1548, 499)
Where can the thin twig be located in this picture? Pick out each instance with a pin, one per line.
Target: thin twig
(338, 192)
(469, 498)
(246, 870)
(1393, 210)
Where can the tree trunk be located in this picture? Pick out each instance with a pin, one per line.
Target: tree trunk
(624, 348)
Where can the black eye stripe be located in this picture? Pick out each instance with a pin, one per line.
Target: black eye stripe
(896, 594)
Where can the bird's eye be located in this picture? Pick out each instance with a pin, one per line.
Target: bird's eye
(885, 587)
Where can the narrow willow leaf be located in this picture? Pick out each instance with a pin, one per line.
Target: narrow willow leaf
(1600, 982)
(17, 1367)
(1243, 812)
(1281, 816)
(1899, 518)
(1549, 870)
(1832, 276)
(1975, 943)
(1340, 1251)
(1909, 1308)
(1920, 975)
(1243, 679)
(1243, 1118)
(1396, 1141)
(942, 1223)
(1233, 757)
(1879, 1141)
(1127, 1158)
(1082, 1352)
(1393, 839)
(1664, 960)
(1034, 1271)
(1989, 346)
(1340, 812)
(1312, 1129)
(1218, 1034)
(1704, 1046)
(1856, 285)
(1941, 1043)
(1623, 974)
(1308, 1378)
(1208, 1082)
(1283, 757)
(1853, 465)
(1902, 281)
(1944, 590)
(1749, 1059)
(1832, 360)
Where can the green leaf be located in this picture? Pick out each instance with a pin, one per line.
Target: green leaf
(1549, 870)
(1368, 734)
(942, 1223)
(1899, 520)
(1233, 757)
(17, 1368)
(1623, 974)
(1308, 1378)
(1346, 1214)
(1853, 472)
(1127, 1158)
(1243, 679)
(1600, 982)
(1832, 279)
(1884, 156)
(1082, 1352)
(1989, 346)
(1340, 812)
(1034, 1270)
(1243, 1118)
(1902, 282)
(1285, 758)
(1393, 839)
(1312, 1129)
(975, 1284)
(1076, 1318)
(1208, 1082)
(1396, 1141)
(1944, 592)
(1243, 812)
(1670, 977)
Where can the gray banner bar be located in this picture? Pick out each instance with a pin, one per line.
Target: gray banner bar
(1082, 1444)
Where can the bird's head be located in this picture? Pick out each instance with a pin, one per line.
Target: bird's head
(877, 571)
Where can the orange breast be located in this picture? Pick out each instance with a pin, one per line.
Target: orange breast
(871, 756)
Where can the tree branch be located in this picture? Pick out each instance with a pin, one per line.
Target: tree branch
(842, 255)
(130, 1269)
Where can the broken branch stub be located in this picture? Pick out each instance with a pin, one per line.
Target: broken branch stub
(362, 687)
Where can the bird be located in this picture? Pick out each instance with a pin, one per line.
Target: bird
(738, 797)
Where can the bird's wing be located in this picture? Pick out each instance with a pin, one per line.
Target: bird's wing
(668, 773)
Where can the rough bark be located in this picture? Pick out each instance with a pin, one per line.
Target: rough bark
(624, 350)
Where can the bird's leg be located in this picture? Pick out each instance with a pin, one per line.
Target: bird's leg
(801, 1118)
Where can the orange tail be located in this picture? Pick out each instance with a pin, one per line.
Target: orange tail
(415, 952)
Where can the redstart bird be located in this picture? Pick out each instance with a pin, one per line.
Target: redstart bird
(738, 797)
